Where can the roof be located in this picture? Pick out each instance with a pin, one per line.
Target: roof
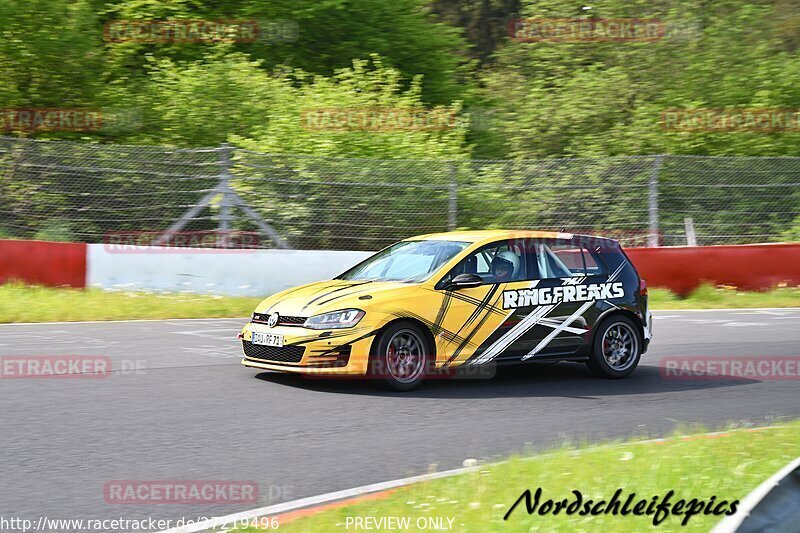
(488, 235)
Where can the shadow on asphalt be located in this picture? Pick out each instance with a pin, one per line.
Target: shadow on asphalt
(557, 380)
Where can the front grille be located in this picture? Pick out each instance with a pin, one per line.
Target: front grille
(291, 320)
(287, 354)
(262, 318)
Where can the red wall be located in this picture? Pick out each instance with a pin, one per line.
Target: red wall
(43, 263)
(749, 266)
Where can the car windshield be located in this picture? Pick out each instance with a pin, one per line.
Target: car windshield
(406, 261)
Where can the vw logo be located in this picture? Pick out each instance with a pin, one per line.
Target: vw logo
(273, 320)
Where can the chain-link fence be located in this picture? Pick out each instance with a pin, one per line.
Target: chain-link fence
(86, 192)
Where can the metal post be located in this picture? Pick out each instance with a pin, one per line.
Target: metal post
(229, 201)
(225, 217)
(187, 217)
(452, 211)
(691, 236)
(652, 200)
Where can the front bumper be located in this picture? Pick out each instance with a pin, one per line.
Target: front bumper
(307, 351)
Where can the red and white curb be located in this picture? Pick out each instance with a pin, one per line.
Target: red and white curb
(314, 504)
(341, 497)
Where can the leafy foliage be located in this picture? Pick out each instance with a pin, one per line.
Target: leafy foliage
(517, 100)
(606, 98)
(535, 99)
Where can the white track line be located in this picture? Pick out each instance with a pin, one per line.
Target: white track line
(122, 321)
(655, 311)
(314, 500)
(386, 485)
(726, 309)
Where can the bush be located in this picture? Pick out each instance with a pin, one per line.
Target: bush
(55, 230)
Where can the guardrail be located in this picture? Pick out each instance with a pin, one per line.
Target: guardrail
(772, 506)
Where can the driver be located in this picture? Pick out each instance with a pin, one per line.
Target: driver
(505, 266)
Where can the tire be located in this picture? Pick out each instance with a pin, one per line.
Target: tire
(617, 348)
(401, 357)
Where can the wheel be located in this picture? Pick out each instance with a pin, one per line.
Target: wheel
(401, 357)
(617, 348)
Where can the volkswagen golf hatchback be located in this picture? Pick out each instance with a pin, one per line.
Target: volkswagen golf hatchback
(432, 303)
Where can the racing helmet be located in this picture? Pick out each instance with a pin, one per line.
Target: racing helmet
(508, 259)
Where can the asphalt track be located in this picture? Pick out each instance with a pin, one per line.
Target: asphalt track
(180, 407)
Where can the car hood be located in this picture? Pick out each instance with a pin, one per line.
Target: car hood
(315, 298)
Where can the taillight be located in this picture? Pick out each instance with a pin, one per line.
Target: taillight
(642, 287)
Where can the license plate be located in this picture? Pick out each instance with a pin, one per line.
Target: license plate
(268, 339)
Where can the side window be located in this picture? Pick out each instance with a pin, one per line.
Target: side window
(501, 262)
(528, 259)
(566, 260)
(592, 266)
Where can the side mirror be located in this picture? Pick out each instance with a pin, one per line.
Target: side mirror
(465, 281)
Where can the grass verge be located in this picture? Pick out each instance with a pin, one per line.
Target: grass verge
(726, 465)
(20, 303)
(710, 297)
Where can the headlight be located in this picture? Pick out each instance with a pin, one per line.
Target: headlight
(346, 318)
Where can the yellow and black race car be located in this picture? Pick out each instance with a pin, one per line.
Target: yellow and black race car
(435, 302)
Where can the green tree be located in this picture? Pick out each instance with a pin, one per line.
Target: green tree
(318, 36)
(606, 98)
(229, 97)
(50, 54)
(485, 22)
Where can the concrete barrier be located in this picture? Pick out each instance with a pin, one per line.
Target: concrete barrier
(262, 272)
(212, 271)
